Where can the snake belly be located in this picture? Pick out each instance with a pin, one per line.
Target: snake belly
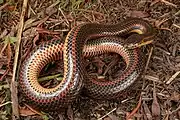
(72, 53)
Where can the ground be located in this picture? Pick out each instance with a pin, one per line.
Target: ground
(155, 95)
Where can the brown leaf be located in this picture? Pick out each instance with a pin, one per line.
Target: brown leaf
(147, 111)
(139, 14)
(155, 106)
(26, 112)
(129, 116)
(10, 8)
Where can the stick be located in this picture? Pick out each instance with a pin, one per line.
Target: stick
(107, 114)
(14, 98)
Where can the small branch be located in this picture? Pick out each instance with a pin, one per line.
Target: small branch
(149, 57)
(107, 114)
(146, 66)
(33, 110)
(5, 73)
(135, 110)
(48, 77)
(5, 104)
(177, 13)
(173, 77)
(3, 6)
(4, 86)
(176, 26)
(67, 22)
(177, 109)
(152, 78)
(14, 98)
(168, 3)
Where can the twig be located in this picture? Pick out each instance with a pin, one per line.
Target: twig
(33, 110)
(176, 26)
(152, 78)
(14, 98)
(48, 77)
(145, 43)
(67, 22)
(149, 57)
(111, 64)
(147, 63)
(42, 30)
(155, 107)
(177, 109)
(173, 77)
(125, 100)
(177, 13)
(175, 47)
(90, 11)
(135, 110)
(144, 76)
(4, 86)
(107, 114)
(166, 52)
(42, 21)
(2, 50)
(168, 3)
(159, 23)
(5, 103)
(163, 1)
(5, 73)
(3, 6)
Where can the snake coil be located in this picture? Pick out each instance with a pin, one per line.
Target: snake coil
(73, 50)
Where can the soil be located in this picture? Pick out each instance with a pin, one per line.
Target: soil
(155, 95)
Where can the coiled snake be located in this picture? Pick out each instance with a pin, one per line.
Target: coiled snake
(74, 49)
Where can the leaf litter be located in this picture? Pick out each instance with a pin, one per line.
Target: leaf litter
(52, 20)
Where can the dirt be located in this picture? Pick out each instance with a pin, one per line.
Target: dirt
(155, 95)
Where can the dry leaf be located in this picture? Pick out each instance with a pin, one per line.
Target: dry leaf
(139, 14)
(155, 106)
(147, 111)
(10, 8)
(26, 112)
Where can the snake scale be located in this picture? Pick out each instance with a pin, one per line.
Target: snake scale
(78, 44)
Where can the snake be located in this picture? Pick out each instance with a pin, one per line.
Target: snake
(85, 40)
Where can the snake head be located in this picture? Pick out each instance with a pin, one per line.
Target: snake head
(137, 40)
